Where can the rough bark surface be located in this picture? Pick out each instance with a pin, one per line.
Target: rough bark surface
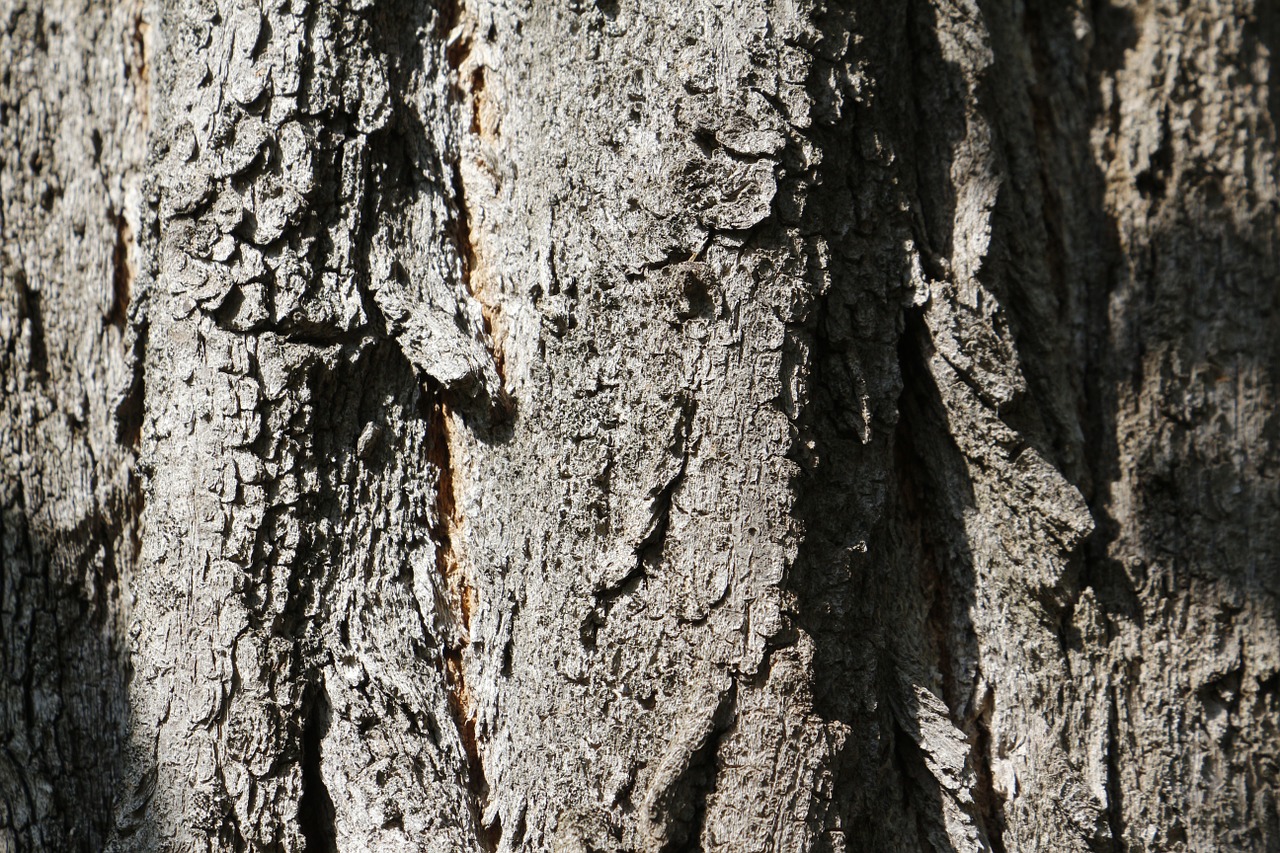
(74, 95)
(576, 426)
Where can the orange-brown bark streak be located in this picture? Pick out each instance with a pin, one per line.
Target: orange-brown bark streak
(481, 123)
(461, 598)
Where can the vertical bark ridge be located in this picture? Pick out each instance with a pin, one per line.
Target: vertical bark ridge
(640, 289)
(72, 144)
(1056, 359)
(305, 291)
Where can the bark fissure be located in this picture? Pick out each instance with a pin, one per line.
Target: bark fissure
(990, 802)
(123, 271)
(675, 805)
(467, 89)
(315, 808)
(1114, 783)
(29, 307)
(699, 781)
(934, 493)
(459, 594)
(649, 549)
(469, 253)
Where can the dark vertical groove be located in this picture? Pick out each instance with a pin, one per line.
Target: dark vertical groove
(130, 408)
(1115, 33)
(934, 492)
(122, 271)
(315, 808)
(29, 307)
(466, 97)
(1115, 790)
(699, 780)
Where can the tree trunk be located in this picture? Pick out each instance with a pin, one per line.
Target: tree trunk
(608, 426)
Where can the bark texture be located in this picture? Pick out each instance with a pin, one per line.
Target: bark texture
(781, 425)
(74, 114)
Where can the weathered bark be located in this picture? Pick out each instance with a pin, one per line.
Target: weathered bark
(514, 426)
(73, 123)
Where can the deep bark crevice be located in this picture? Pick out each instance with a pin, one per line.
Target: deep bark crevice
(130, 406)
(122, 271)
(467, 92)
(29, 306)
(1115, 789)
(315, 808)
(650, 548)
(926, 520)
(922, 795)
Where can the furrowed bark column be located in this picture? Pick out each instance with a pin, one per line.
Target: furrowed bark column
(74, 111)
(306, 319)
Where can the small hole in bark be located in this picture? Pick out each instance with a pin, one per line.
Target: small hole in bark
(507, 653)
(706, 142)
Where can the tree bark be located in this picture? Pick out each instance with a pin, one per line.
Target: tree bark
(579, 426)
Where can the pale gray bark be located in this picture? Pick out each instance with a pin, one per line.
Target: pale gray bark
(569, 426)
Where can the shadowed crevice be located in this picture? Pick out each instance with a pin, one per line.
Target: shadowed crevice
(315, 808)
(680, 808)
(123, 270)
(925, 527)
(29, 308)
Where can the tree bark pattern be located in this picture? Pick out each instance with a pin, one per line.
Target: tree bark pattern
(513, 426)
(74, 95)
